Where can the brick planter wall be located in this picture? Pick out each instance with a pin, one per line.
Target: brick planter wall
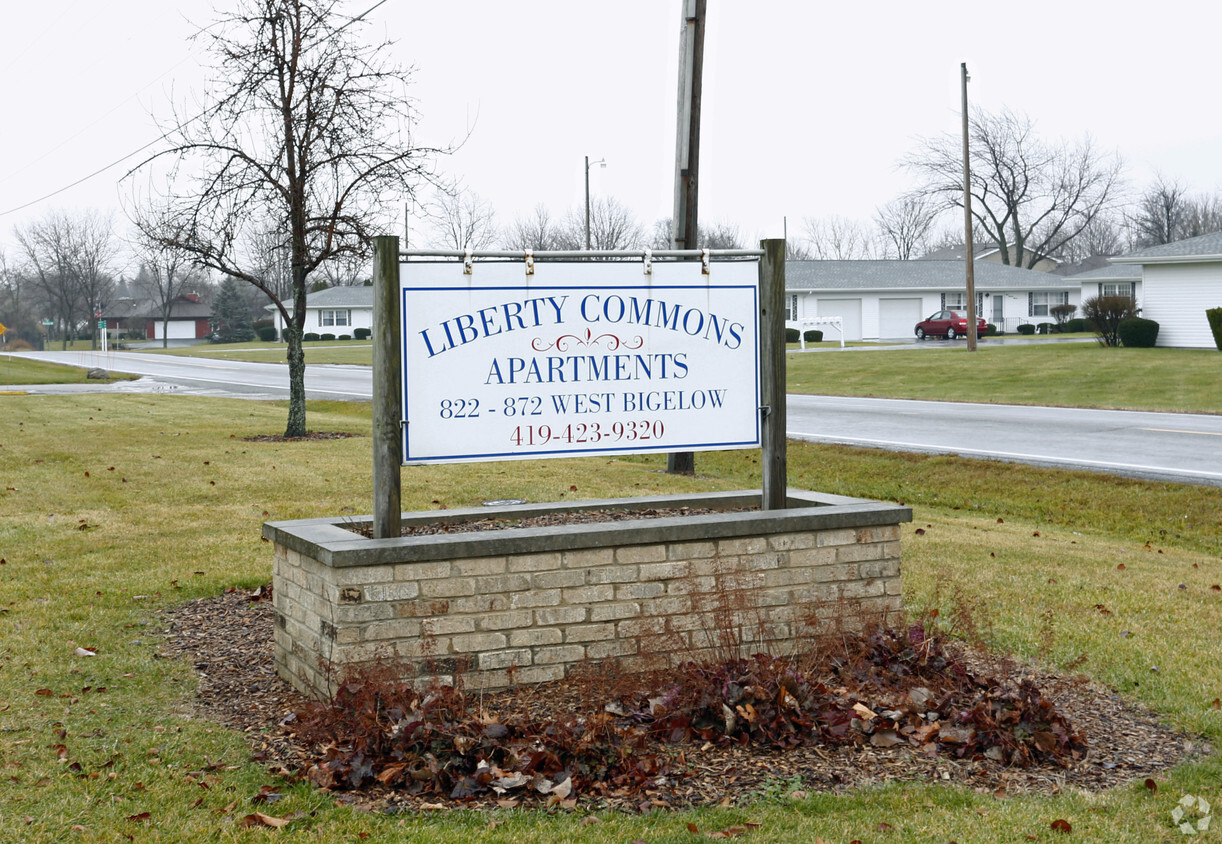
(528, 604)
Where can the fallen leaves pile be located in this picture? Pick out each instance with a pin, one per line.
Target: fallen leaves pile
(883, 688)
(229, 641)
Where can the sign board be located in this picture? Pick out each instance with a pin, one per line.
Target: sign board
(3, 328)
(578, 358)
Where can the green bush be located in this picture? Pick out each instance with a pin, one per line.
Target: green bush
(1214, 315)
(327, 336)
(1138, 333)
(344, 337)
(814, 336)
(1077, 325)
(361, 333)
(1026, 328)
(267, 333)
(309, 336)
(792, 335)
(1045, 328)
(990, 330)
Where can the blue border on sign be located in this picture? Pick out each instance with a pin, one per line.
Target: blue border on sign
(553, 453)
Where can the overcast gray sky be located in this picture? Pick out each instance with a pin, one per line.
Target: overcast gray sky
(808, 106)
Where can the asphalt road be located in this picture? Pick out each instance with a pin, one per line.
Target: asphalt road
(1159, 446)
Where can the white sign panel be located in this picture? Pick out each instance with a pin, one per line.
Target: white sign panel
(578, 358)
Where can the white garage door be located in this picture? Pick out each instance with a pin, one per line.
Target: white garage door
(848, 310)
(897, 317)
(182, 329)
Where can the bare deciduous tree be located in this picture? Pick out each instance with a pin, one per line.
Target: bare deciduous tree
(837, 238)
(1167, 212)
(307, 132)
(69, 258)
(1030, 196)
(1159, 217)
(612, 226)
(460, 219)
(906, 225)
(167, 270)
(1107, 234)
(717, 236)
(536, 232)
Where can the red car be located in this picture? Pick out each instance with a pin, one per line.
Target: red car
(947, 324)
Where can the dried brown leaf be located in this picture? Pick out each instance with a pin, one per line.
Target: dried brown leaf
(260, 819)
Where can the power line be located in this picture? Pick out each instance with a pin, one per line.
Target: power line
(139, 150)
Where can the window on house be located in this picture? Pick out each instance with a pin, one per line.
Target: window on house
(1124, 288)
(791, 309)
(955, 302)
(326, 318)
(1039, 303)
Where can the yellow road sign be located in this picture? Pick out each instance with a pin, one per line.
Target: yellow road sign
(2, 328)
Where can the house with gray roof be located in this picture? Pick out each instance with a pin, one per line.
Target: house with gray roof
(336, 310)
(141, 318)
(984, 252)
(1111, 280)
(1180, 282)
(882, 300)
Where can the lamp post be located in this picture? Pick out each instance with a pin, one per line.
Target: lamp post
(603, 162)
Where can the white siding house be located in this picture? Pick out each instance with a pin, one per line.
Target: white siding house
(1180, 282)
(1112, 280)
(336, 310)
(884, 300)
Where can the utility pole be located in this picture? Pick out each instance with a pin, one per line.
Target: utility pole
(684, 225)
(969, 249)
(603, 162)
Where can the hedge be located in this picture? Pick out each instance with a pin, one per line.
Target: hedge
(361, 333)
(1214, 315)
(1137, 333)
(1026, 328)
(814, 336)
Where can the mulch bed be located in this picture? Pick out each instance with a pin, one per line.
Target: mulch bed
(564, 517)
(309, 436)
(229, 641)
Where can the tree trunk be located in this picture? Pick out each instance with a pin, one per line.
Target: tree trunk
(296, 356)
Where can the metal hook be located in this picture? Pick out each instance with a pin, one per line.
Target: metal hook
(648, 261)
(530, 262)
(468, 261)
(704, 260)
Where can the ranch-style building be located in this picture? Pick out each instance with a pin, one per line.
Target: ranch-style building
(884, 300)
(336, 310)
(875, 300)
(136, 318)
(1179, 282)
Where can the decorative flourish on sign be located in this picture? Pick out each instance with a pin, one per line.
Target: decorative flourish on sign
(563, 342)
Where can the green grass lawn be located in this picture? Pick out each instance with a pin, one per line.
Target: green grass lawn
(16, 371)
(117, 506)
(1069, 375)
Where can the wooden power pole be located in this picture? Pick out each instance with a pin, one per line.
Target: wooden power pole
(969, 250)
(684, 224)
